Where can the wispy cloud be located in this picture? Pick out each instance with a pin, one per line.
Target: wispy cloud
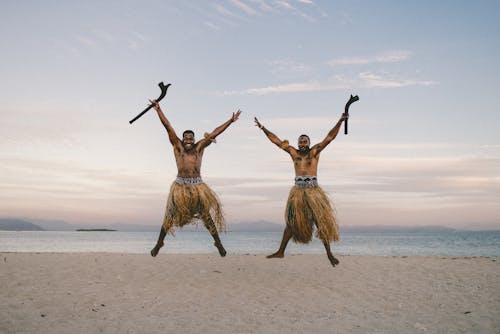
(98, 38)
(372, 80)
(286, 88)
(263, 8)
(387, 57)
(263, 5)
(225, 11)
(364, 80)
(286, 5)
(233, 13)
(242, 6)
(212, 25)
(283, 4)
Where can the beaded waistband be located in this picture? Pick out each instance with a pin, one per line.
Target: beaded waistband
(306, 181)
(188, 180)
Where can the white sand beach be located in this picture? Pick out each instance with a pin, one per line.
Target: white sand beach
(203, 293)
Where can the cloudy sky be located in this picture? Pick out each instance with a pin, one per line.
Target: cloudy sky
(424, 140)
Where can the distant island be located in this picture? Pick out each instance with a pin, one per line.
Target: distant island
(17, 224)
(95, 230)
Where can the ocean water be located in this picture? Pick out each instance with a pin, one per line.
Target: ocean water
(442, 243)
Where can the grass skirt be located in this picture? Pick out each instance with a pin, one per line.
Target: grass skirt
(309, 206)
(192, 201)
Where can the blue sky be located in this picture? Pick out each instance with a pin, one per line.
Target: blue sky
(424, 139)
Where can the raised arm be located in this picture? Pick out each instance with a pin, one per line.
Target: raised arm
(170, 130)
(283, 144)
(331, 134)
(210, 137)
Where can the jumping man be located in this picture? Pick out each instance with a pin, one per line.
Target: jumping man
(190, 198)
(308, 204)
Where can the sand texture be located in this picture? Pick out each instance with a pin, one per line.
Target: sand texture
(204, 293)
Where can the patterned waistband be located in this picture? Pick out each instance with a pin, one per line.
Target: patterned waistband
(188, 180)
(306, 181)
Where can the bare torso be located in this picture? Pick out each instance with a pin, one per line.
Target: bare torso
(188, 161)
(305, 163)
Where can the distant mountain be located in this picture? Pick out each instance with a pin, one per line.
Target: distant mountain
(258, 226)
(59, 225)
(387, 228)
(53, 225)
(11, 224)
(264, 226)
(236, 227)
(14, 224)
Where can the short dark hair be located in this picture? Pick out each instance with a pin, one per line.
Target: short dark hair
(306, 137)
(187, 131)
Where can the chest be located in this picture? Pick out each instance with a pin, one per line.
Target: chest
(304, 160)
(189, 157)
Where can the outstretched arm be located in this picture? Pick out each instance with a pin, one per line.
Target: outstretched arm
(170, 130)
(210, 137)
(331, 135)
(283, 144)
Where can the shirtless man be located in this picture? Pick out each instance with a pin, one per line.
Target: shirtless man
(190, 198)
(308, 204)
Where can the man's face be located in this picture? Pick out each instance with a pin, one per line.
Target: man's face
(188, 141)
(303, 144)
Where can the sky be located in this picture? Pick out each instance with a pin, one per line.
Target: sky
(423, 146)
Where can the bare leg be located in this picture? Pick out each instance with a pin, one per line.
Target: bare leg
(210, 225)
(159, 243)
(287, 235)
(332, 258)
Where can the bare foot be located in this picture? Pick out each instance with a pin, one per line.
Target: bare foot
(276, 255)
(221, 249)
(156, 249)
(333, 260)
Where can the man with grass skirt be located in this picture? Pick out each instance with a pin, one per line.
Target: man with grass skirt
(190, 198)
(308, 204)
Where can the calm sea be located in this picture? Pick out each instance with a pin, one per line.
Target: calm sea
(456, 243)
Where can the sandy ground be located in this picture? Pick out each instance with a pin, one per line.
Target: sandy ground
(203, 293)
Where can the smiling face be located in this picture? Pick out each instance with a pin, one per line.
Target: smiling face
(188, 140)
(303, 143)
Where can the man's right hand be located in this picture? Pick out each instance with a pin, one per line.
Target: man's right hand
(235, 116)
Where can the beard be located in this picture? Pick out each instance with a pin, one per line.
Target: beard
(304, 150)
(187, 147)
